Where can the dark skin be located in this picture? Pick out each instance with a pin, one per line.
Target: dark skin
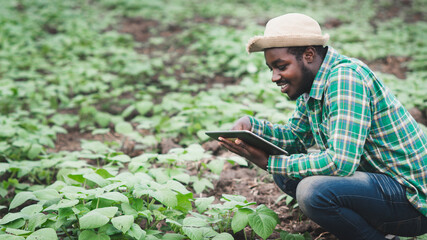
(294, 78)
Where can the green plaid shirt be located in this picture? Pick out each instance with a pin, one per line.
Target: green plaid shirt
(357, 123)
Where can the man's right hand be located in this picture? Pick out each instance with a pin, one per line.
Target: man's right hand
(243, 123)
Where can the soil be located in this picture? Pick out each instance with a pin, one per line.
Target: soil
(251, 182)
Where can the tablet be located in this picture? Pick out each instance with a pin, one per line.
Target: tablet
(249, 138)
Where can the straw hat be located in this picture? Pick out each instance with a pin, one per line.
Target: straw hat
(289, 30)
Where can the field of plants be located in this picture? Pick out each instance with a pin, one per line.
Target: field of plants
(104, 104)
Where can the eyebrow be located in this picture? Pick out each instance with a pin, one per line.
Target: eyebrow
(275, 62)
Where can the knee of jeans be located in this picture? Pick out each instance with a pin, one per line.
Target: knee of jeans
(309, 194)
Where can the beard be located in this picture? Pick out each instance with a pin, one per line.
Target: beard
(306, 82)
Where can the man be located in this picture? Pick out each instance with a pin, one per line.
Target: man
(370, 177)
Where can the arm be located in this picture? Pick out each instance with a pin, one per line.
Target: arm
(294, 137)
(349, 117)
(290, 136)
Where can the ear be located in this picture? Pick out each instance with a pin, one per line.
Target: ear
(309, 54)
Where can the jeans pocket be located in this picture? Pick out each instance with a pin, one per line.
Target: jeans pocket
(408, 228)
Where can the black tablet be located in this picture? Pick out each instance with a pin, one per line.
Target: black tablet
(249, 138)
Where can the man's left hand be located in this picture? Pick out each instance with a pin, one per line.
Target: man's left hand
(253, 154)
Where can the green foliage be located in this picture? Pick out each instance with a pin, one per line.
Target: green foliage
(69, 65)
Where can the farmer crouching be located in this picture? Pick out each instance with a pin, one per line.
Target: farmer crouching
(370, 177)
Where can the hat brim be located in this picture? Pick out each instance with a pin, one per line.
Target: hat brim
(260, 43)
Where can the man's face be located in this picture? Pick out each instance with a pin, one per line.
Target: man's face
(291, 75)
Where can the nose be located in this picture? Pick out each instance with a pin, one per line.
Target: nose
(275, 76)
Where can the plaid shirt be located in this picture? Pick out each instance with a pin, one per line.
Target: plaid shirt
(357, 123)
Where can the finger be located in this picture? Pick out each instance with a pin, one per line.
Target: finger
(238, 150)
(232, 146)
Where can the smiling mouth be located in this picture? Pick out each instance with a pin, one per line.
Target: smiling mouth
(283, 86)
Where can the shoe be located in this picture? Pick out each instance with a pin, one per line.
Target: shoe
(392, 237)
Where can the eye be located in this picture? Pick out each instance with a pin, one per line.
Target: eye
(282, 67)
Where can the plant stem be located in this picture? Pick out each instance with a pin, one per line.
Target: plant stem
(66, 233)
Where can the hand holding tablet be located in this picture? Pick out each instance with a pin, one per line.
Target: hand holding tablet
(249, 138)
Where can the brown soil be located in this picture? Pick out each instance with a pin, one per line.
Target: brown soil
(391, 64)
(396, 8)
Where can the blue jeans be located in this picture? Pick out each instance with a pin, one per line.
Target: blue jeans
(362, 206)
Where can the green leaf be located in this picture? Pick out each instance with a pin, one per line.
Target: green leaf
(237, 159)
(115, 196)
(4, 167)
(194, 222)
(47, 194)
(93, 220)
(184, 202)
(263, 221)
(21, 198)
(91, 235)
(216, 166)
(173, 236)
(43, 234)
(129, 210)
(100, 131)
(177, 186)
(64, 203)
(123, 128)
(34, 150)
(32, 209)
(36, 220)
(103, 173)
(123, 223)
(107, 211)
(223, 236)
(203, 203)
(236, 198)
(200, 185)
(136, 232)
(121, 158)
(96, 179)
(167, 197)
(10, 237)
(17, 231)
(240, 219)
(197, 233)
(289, 236)
(143, 107)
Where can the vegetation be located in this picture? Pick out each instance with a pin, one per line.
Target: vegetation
(76, 66)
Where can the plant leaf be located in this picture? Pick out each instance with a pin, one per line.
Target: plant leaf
(123, 128)
(10, 217)
(115, 196)
(136, 232)
(91, 235)
(223, 236)
(43, 234)
(123, 223)
(21, 198)
(240, 219)
(203, 203)
(263, 221)
(93, 220)
(107, 211)
(216, 166)
(47, 194)
(11, 237)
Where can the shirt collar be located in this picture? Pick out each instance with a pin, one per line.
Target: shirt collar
(316, 91)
